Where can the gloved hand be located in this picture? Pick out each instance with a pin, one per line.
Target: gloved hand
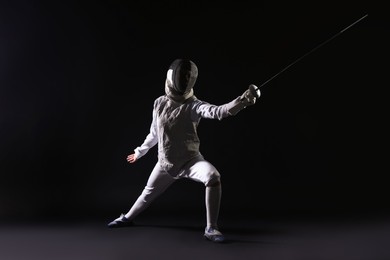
(250, 95)
(248, 98)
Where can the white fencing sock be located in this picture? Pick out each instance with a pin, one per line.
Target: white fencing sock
(213, 200)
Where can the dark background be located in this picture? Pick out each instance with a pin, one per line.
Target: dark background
(78, 81)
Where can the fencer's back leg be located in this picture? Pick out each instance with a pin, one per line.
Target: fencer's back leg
(158, 182)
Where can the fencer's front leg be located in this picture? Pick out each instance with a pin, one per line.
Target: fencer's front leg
(248, 98)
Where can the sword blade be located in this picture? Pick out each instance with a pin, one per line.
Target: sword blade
(315, 48)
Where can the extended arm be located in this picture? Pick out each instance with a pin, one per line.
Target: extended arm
(248, 98)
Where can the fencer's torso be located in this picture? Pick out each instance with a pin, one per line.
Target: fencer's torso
(176, 124)
(174, 129)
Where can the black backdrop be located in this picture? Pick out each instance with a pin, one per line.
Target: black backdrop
(78, 81)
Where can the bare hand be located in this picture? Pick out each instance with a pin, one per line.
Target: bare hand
(131, 158)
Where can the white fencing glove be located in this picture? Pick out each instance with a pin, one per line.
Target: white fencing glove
(248, 98)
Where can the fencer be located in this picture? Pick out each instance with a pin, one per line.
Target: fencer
(175, 119)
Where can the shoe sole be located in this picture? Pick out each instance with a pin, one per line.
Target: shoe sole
(214, 240)
(120, 224)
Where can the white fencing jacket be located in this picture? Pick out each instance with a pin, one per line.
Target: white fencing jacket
(174, 129)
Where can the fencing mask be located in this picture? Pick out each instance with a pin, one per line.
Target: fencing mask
(181, 78)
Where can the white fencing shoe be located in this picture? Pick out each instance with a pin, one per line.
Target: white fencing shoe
(214, 235)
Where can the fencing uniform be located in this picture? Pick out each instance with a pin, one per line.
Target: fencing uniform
(175, 119)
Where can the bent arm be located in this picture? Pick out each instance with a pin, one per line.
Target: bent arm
(150, 140)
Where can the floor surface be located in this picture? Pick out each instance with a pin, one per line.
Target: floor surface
(168, 238)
